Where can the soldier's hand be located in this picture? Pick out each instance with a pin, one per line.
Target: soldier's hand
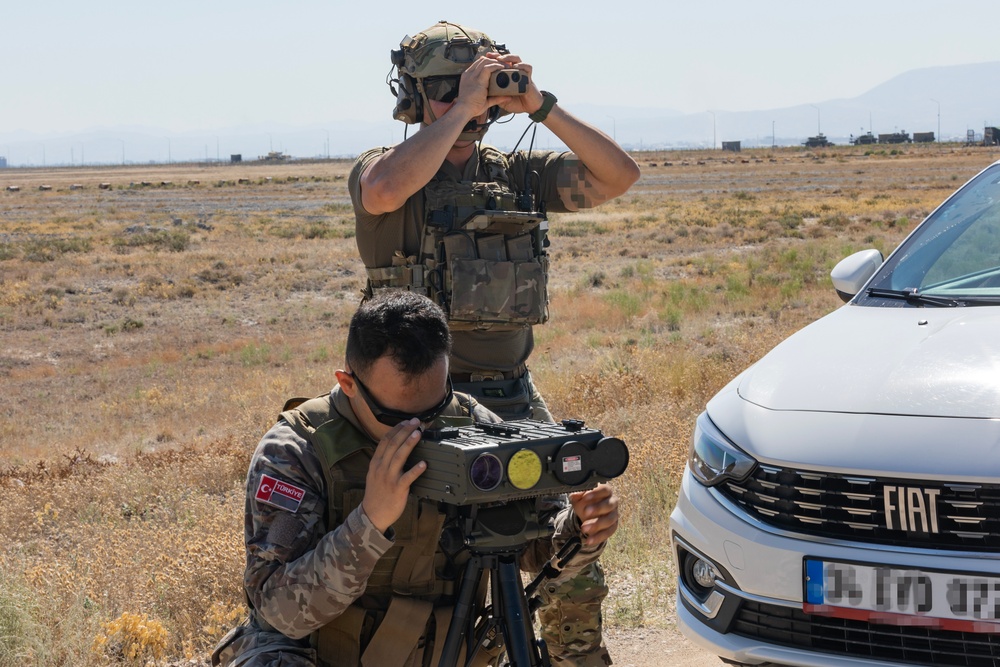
(474, 84)
(387, 483)
(597, 510)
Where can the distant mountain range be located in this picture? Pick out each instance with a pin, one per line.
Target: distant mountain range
(949, 101)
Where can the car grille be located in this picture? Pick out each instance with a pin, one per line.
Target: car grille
(967, 516)
(910, 645)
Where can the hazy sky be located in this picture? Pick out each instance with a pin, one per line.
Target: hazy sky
(189, 65)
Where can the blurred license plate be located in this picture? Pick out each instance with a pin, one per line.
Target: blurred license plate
(881, 593)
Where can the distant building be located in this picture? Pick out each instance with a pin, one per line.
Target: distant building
(991, 136)
(733, 146)
(3, 163)
(923, 137)
(236, 157)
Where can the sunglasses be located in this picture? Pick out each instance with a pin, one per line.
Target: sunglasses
(441, 88)
(393, 417)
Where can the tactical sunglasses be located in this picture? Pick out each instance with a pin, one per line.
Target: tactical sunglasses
(441, 88)
(394, 417)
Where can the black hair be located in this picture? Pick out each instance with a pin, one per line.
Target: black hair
(409, 328)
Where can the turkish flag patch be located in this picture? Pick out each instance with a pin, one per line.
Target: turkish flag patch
(279, 494)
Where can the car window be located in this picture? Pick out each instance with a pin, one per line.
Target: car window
(955, 252)
(974, 251)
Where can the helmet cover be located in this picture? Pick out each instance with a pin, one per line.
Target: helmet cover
(444, 49)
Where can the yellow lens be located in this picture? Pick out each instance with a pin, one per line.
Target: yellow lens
(524, 469)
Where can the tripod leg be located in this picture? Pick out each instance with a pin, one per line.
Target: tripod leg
(460, 619)
(519, 637)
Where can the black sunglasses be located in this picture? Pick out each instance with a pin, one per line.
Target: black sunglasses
(441, 88)
(394, 417)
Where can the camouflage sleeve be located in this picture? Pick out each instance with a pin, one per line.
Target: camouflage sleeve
(300, 574)
(559, 512)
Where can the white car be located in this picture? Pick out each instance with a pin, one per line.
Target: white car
(841, 503)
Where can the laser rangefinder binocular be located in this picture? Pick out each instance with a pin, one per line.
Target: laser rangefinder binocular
(508, 82)
(486, 463)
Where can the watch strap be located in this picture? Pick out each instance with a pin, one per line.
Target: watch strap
(548, 101)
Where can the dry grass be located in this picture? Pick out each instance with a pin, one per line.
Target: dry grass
(150, 333)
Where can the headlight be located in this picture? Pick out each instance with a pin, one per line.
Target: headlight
(713, 458)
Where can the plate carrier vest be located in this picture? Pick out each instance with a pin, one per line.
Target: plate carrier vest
(482, 256)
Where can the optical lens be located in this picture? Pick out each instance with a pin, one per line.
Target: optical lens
(486, 472)
(524, 469)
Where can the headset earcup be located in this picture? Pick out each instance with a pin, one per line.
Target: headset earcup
(409, 105)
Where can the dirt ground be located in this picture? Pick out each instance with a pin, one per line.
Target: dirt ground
(629, 647)
(656, 647)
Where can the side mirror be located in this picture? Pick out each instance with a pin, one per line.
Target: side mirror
(851, 273)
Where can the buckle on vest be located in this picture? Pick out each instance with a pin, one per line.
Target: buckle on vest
(480, 377)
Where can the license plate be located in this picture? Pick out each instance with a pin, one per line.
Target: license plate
(901, 596)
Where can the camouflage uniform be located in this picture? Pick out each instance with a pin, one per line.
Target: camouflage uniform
(491, 363)
(308, 571)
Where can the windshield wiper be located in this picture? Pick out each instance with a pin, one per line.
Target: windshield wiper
(912, 295)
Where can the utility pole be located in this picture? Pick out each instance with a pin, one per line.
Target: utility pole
(939, 119)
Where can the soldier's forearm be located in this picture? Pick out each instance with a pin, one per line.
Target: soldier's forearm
(305, 594)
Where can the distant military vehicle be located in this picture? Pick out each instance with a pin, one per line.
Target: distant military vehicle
(923, 137)
(863, 139)
(991, 136)
(819, 141)
(895, 138)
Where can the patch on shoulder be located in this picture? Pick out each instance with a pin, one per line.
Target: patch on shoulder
(274, 492)
(284, 530)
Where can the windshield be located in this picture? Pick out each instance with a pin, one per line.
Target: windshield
(955, 253)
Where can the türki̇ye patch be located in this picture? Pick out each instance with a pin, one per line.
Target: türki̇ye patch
(280, 494)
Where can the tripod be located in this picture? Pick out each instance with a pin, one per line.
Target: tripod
(495, 537)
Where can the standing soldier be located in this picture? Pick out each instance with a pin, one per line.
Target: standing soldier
(463, 223)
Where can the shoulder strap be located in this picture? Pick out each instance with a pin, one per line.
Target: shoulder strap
(333, 436)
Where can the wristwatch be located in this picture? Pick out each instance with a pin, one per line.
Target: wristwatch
(548, 101)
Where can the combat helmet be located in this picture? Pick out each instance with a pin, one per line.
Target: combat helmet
(432, 61)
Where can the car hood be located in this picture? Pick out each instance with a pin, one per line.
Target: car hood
(932, 362)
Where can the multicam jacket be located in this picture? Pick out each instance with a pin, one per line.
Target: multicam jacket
(307, 568)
